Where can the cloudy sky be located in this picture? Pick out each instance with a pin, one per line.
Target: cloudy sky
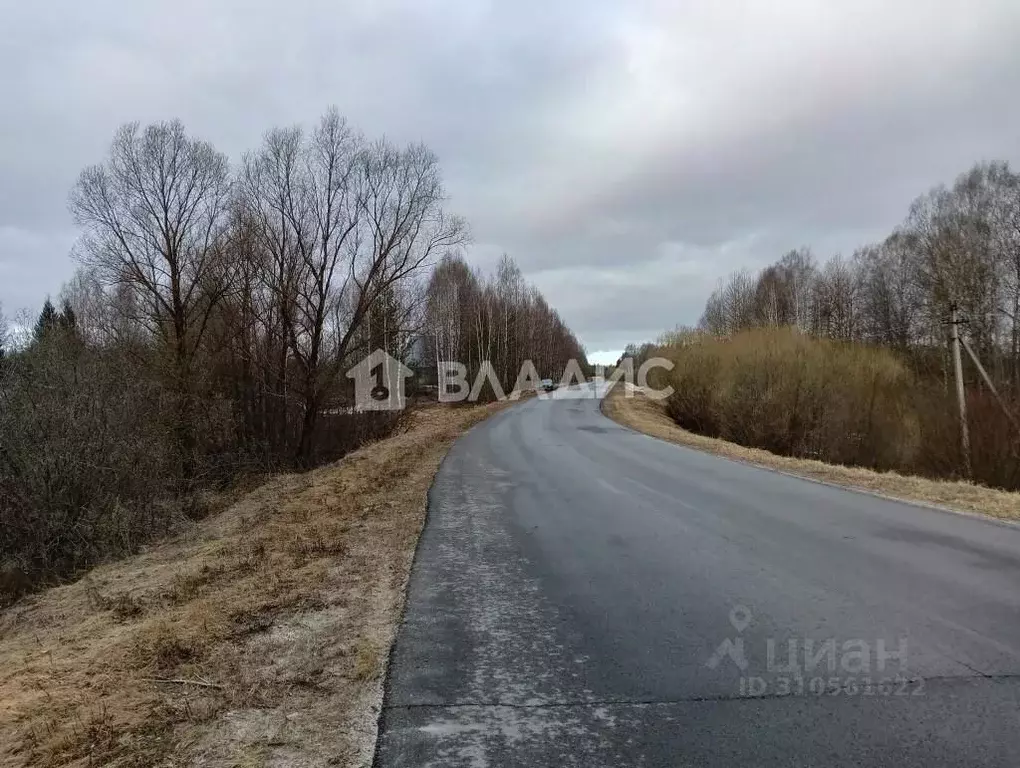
(628, 154)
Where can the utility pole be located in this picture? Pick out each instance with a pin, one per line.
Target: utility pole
(961, 395)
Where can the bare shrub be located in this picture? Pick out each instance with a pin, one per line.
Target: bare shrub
(959, 246)
(844, 403)
(83, 458)
(792, 394)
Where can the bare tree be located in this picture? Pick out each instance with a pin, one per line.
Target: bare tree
(152, 215)
(959, 245)
(502, 321)
(449, 292)
(739, 295)
(837, 312)
(344, 222)
(1006, 238)
(773, 300)
(713, 319)
(891, 301)
(210, 322)
(799, 274)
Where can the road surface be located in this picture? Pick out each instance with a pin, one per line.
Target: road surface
(584, 595)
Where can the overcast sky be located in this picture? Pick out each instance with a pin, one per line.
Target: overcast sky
(627, 154)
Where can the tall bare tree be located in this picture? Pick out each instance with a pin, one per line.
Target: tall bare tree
(344, 222)
(152, 216)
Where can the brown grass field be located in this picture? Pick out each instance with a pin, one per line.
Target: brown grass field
(649, 416)
(258, 637)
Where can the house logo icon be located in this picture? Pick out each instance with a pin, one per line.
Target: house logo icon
(379, 383)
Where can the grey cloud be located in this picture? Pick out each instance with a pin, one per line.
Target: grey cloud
(627, 155)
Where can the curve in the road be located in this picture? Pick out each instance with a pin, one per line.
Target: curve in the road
(586, 595)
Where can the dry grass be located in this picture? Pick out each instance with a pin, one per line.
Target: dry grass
(649, 416)
(259, 637)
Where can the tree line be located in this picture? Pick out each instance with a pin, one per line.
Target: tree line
(502, 320)
(958, 245)
(212, 320)
(876, 384)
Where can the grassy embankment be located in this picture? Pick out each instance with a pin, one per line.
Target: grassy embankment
(260, 636)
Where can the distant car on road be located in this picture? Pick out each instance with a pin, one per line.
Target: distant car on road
(548, 385)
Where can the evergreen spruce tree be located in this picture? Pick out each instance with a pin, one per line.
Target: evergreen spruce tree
(48, 320)
(67, 321)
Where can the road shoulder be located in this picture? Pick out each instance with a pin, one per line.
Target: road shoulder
(631, 408)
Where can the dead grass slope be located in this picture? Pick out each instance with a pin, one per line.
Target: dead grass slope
(649, 416)
(259, 638)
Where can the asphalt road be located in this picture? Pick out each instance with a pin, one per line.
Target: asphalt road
(584, 595)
